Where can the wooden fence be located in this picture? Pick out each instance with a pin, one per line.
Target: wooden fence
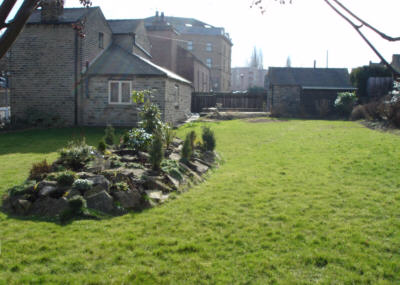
(242, 102)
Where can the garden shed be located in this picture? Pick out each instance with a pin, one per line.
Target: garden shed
(306, 91)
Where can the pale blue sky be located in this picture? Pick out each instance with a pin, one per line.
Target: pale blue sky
(304, 31)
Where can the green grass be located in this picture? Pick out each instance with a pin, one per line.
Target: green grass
(295, 202)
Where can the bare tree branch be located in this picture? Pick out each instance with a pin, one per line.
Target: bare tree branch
(5, 10)
(383, 35)
(12, 32)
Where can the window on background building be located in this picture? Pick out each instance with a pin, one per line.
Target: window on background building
(209, 62)
(190, 45)
(209, 47)
(119, 92)
(101, 40)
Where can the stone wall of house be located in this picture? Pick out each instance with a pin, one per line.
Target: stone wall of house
(42, 71)
(178, 101)
(95, 24)
(286, 98)
(124, 41)
(98, 111)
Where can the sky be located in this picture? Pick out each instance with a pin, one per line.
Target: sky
(305, 31)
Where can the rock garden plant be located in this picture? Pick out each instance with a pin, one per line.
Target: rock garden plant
(84, 182)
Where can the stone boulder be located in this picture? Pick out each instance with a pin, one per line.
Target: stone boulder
(192, 174)
(50, 189)
(48, 207)
(156, 183)
(124, 174)
(102, 202)
(200, 168)
(99, 183)
(143, 156)
(156, 197)
(176, 142)
(129, 158)
(130, 200)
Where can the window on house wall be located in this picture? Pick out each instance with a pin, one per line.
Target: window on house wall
(190, 45)
(177, 96)
(101, 40)
(209, 47)
(209, 62)
(119, 92)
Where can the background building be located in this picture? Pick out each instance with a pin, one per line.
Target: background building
(211, 45)
(244, 78)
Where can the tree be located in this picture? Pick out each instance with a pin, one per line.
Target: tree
(288, 62)
(355, 21)
(359, 77)
(14, 27)
(256, 60)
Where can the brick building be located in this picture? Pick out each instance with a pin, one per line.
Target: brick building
(88, 80)
(211, 45)
(244, 78)
(166, 52)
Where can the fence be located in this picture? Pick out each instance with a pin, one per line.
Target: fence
(242, 102)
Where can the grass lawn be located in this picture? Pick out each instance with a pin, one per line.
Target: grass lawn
(295, 202)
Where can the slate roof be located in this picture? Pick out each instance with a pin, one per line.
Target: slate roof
(124, 26)
(117, 61)
(310, 77)
(190, 26)
(70, 15)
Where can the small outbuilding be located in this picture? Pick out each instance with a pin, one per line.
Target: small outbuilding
(306, 91)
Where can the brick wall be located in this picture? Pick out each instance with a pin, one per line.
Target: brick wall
(42, 71)
(164, 50)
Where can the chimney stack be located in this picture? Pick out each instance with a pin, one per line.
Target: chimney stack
(315, 64)
(162, 16)
(52, 10)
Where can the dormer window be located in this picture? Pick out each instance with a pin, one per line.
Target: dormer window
(101, 40)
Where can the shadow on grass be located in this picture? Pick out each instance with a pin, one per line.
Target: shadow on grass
(48, 140)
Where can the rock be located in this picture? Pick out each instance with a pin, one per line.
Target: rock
(48, 207)
(199, 167)
(175, 156)
(71, 193)
(155, 183)
(176, 142)
(203, 162)
(129, 158)
(22, 206)
(130, 200)
(102, 202)
(50, 189)
(92, 192)
(143, 156)
(208, 157)
(124, 174)
(99, 183)
(174, 182)
(157, 196)
(192, 175)
(125, 151)
(85, 175)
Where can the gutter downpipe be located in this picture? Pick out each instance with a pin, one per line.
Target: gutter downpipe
(76, 80)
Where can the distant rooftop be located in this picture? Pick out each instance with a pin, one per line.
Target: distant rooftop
(124, 26)
(310, 77)
(189, 26)
(70, 15)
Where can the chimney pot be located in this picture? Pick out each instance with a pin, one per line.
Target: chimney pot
(52, 10)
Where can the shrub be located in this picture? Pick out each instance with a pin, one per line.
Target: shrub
(208, 137)
(344, 103)
(359, 113)
(102, 146)
(120, 186)
(156, 151)
(172, 168)
(26, 187)
(138, 139)
(76, 207)
(109, 137)
(187, 150)
(82, 184)
(76, 154)
(39, 170)
(66, 178)
(192, 136)
(150, 113)
(169, 134)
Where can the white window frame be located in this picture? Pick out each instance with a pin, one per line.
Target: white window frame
(209, 47)
(209, 62)
(119, 92)
(190, 45)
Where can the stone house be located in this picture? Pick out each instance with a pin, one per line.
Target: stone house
(306, 91)
(211, 45)
(87, 80)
